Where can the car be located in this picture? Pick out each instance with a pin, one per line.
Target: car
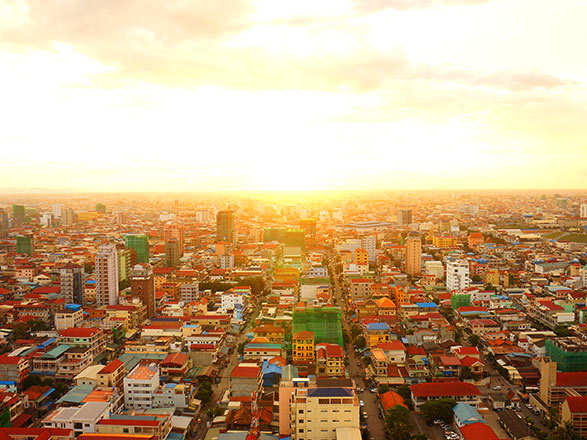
(438, 422)
(365, 416)
(361, 403)
(199, 420)
(373, 390)
(497, 387)
(528, 406)
(360, 390)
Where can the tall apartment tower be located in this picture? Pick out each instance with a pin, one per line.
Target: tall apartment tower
(142, 285)
(309, 227)
(107, 275)
(4, 225)
(171, 231)
(25, 244)
(404, 217)
(225, 226)
(70, 217)
(18, 214)
(172, 253)
(457, 275)
(583, 210)
(413, 255)
(140, 243)
(71, 280)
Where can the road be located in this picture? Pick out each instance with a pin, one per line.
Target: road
(374, 422)
(224, 384)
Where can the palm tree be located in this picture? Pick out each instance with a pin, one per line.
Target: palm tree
(564, 431)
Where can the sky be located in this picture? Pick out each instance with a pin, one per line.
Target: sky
(229, 95)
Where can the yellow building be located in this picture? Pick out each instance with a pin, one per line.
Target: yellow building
(273, 333)
(386, 307)
(399, 295)
(492, 276)
(361, 257)
(377, 332)
(303, 347)
(329, 360)
(444, 241)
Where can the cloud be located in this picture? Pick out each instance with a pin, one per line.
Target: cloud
(369, 6)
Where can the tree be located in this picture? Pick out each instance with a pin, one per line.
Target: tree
(21, 331)
(360, 342)
(355, 331)
(438, 409)
(345, 337)
(476, 278)
(204, 392)
(383, 389)
(241, 348)
(419, 437)
(564, 431)
(397, 420)
(561, 331)
(404, 391)
(466, 373)
(475, 340)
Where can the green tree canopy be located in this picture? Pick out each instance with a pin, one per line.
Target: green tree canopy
(564, 431)
(397, 420)
(438, 409)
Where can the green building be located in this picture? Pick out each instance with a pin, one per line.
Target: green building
(140, 244)
(101, 208)
(18, 213)
(274, 234)
(24, 245)
(569, 353)
(325, 322)
(225, 226)
(457, 301)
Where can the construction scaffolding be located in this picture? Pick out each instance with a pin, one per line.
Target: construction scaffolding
(325, 322)
(569, 353)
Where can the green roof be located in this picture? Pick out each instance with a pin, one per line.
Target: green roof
(56, 352)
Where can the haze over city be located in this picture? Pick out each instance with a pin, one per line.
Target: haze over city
(275, 95)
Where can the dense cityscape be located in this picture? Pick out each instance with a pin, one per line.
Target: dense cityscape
(421, 315)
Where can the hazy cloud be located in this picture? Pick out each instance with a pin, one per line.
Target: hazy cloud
(378, 5)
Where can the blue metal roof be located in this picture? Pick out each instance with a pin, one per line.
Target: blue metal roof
(377, 326)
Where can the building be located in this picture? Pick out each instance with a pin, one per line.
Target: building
(361, 257)
(80, 420)
(25, 245)
(459, 391)
(140, 244)
(135, 426)
(309, 227)
(583, 210)
(142, 286)
(71, 316)
(85, 337)
(457, 275)
(112, 375)
(225, 226)
(465, 414)
(569, 353)
(404, 217)
(434, 268)
(273, 333)
(303, 347)
(13, 368)
(329, 360)
(574, 411)
(413, 255)
(174, 232)
(106, 275)
(555, 385)
(245, 379)
(71, 280)
(140, 386)
(369, 243)
(18, 214)
(172, 253)
(127, 258)
(316, 413)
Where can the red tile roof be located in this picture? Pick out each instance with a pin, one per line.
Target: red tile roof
(84, 332)
(478, 431)
(9, 360)
(174, 359)
(239, 371)
(441, 389)
(111, 367)
(393, 345)
(391, 399)
(577, 405)
(577, 379)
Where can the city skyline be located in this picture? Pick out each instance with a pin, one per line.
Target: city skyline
(262, 95)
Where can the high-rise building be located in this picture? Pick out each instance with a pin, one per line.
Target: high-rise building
(457, 275)
(171, 231)
(70, 217)
(295, 238)
(56, 209)
(309, 227)
(107, 275)
(71, 280)
(413, 254)
(172, 254)
(225, 226)
(4, 225)
(583, 210)
(404, 217)
(18, 214)
(140, 244)
(100, 208)
(203, 216)
(369, 243)
(127, 258)
(25, 244)
(142, 285)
